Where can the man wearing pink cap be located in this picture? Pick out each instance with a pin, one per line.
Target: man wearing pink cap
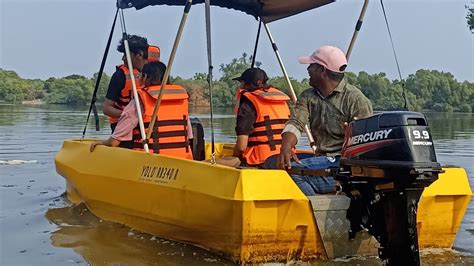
(326, 107)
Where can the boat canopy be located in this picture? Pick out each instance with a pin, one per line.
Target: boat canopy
(267, 10)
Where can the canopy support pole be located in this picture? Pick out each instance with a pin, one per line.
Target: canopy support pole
(92, 107)
(187, 7)
(132, 78)
(292, 91)
(357, 29)
(209, 75)
(256, 43)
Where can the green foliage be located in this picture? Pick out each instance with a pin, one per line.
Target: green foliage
(439, 91)
(470, 18)
(103, 86)
(223, 93)
(73, 89)
(200, 76)
(384, 94)
(424, 90)
(352, 79)
(226, 87)
(69, 91)
(15, 89)
(281, 83)
(197, 88)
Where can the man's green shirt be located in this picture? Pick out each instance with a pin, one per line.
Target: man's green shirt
(326, 115)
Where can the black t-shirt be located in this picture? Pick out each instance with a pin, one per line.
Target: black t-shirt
(116, 85)
(246, 117)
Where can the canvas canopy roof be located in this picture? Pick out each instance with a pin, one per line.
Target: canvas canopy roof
(268, 10)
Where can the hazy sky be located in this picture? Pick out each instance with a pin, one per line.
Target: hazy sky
(44, 38)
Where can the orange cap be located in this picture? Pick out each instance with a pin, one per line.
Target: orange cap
(153, 53)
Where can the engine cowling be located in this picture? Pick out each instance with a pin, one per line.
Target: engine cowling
(387, 160)
(390, 147)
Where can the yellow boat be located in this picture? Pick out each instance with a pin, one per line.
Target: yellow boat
(248, 215)
(252, 215)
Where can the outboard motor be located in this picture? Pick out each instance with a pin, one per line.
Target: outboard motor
(387, 160)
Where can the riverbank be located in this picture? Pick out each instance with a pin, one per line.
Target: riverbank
(424, 90)
(33, 102)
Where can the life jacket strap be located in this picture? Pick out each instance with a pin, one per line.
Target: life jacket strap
(175, 122)
(268, 129)
(156, 143)
(159, 146)
(264, 133)
(156, 135)
(168, 134)
(185, 119)
(270, 122)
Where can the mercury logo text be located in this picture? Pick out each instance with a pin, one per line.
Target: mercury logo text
(372, 136)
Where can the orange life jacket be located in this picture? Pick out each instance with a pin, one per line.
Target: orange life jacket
(170, 133)
(153, 53)
(272, 113)
(126, 93)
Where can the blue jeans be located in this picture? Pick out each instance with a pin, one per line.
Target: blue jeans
(310, 185)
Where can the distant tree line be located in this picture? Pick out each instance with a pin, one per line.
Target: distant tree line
(73, 89)
(424, 90)
(470, 18)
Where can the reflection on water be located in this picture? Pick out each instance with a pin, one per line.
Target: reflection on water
(450, 125)
(31, 191)
(105, 243)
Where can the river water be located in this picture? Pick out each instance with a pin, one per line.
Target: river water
(38, 226)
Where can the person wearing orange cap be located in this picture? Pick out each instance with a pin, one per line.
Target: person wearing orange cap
(153, 53)
(172, 129)
(261, 115)
(327, 107)
(119, 92)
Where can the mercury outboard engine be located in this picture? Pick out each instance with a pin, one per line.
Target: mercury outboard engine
(387, 160)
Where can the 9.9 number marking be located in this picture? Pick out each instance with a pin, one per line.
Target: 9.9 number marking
(417, 134)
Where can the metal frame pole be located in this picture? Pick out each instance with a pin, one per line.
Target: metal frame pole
(292, 91)
(134, 86)
(187, 7)
(357, 29)
(209, 76)
(92, 106)
(256, 43)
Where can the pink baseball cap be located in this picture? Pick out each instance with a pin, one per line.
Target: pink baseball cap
(329, 57)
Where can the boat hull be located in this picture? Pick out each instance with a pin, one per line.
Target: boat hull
(248, 215)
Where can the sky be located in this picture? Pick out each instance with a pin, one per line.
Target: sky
(56, 38)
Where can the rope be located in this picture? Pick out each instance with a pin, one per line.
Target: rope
(395, 55)
(209, 76)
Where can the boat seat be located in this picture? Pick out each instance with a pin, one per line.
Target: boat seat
(197, 143)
